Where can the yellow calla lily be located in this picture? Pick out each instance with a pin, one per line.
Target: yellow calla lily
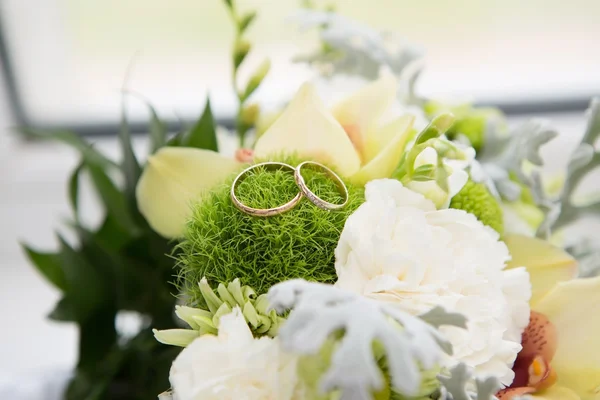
(547, 265)
(556, 392)
(349, 137)
(307, 128)
(173, 178)
(572, 307)
(569, 305)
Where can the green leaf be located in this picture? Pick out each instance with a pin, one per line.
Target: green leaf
(424, 173)
(257, 78)
(113, 199)
(241, 49)
(97, 336)
(130, 167)
(158, 131)
(437, 127)
(441, 176)
(245, 21)
(49, 265)
(176, 140)
(90, 154)
(74, 189)
(228, 3)
(83, 283)
(63, 311)
(111, 235)
(203, 134)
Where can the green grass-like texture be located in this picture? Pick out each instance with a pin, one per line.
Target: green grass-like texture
(223, 243)
(476, 199)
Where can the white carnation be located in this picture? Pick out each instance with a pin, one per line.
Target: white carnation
(233, 365)
(398, 248)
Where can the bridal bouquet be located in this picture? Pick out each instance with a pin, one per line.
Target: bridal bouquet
(387, 246)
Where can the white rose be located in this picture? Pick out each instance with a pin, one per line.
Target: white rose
(233, 366)
(398, 248)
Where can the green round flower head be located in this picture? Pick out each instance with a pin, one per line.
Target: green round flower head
(223, 243)
(476, 199)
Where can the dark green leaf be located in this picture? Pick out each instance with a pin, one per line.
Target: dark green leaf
(111, 235)
(203, 134)
(74, 189)
(112, 198)
(228, 3)
(83, 283)
(97, 336)
(245, 21)
(131, 168)
(49, 265)
(90, 154)
(63, 311)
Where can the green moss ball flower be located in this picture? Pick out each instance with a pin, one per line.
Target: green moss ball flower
(222, 243)
(476, 199)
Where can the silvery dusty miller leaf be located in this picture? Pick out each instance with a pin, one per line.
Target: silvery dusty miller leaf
(321, 310)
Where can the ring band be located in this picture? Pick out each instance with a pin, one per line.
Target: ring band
(264, 212)
(310, 195)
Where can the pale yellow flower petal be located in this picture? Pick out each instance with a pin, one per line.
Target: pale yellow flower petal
(388, 158)
(547, 265)
(556, 392)
(573, 307)
(308, 129)
(173, 178)
(176, 337)
(360, 113)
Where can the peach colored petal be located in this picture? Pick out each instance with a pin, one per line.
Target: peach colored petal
(539, 338)
(510, 393)
(244, 155)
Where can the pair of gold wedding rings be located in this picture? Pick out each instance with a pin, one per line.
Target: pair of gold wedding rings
(300, 182)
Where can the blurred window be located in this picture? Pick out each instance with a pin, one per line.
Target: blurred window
(69, 57)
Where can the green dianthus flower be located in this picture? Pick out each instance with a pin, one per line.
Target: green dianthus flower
(476, 199)
(222, 243)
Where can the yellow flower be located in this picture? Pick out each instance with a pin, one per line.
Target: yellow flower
(350, 137)
(175, 177)
(571, 305)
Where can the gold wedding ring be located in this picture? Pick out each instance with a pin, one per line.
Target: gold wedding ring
(310, 195)
(264, 212)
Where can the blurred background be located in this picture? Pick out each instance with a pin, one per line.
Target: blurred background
(64, 64)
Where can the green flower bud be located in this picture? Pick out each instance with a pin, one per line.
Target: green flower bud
(240, 51)
(476, 199)
(249, 114)
(255, 312)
